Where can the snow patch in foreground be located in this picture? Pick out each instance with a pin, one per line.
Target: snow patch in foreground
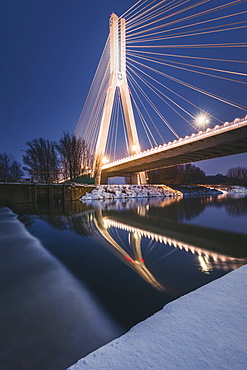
(205, 329)
(130, 191)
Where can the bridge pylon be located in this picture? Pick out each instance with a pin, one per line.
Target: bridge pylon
(118, 80)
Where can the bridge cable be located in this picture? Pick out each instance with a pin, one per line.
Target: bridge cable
(158, 93)
(159, 114)
(189, 17)
(144, 107)
(156, 60)
(144, 123)
(132, 37)
(193, 87)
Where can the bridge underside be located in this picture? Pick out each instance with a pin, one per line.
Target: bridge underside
(220, 145)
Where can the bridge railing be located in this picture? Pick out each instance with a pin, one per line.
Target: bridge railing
(208, 132)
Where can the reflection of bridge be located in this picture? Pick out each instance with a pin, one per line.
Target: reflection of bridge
(203, 254)
(133, 85)
(214, 248)
(136, 262)
(198, 237)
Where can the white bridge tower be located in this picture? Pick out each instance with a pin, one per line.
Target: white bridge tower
(118, 79)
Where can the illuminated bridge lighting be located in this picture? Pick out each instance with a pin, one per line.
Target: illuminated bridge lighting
(203, 255)
(187, 139)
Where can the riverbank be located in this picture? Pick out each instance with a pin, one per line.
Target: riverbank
(146, 191)
(205, 329)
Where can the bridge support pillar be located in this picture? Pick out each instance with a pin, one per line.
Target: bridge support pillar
(100, 179)
(138, 179)
(97, 178)
(104, 180)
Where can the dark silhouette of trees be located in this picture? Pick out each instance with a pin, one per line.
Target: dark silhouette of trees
(193, 174)
(189, 174)
(42, 160)
(10, 169)
(185, 174)
(238, 175)
(45, 159)
(217, 179)
(75, 155)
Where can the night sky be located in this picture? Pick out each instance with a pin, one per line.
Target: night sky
(49, 53)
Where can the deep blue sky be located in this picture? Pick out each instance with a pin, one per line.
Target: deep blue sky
(49, 52)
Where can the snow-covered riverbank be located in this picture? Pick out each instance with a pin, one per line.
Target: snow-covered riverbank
(130, 191)
(104, 192)
(232, 189)
(205, 329)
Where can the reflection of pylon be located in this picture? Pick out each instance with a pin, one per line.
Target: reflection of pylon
(118, 80)
(137, 263)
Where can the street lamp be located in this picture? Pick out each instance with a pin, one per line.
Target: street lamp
(135, 148)
(105, 160)
(202, 120)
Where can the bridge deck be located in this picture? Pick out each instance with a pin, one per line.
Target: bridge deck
(220, 141)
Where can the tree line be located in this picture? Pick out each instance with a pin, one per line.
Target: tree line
(47, 160)
(190, 174)
(10, 169)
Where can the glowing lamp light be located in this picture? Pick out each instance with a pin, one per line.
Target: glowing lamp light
(202, 120)
(105, 160)
(135, 147)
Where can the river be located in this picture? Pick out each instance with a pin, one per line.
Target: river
(98, 268)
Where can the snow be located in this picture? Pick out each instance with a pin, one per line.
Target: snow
(107, 192)
(234, 190)
(130, 191)
(111, 192)
(205, 329)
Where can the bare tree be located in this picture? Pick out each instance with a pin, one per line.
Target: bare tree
(41, 159)
(238, 175)
(10, 169)
(75, 155)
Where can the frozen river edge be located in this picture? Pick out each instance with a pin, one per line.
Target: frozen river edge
(205, 329)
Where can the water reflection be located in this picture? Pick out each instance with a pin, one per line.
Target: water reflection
(238, 207)
(207, 259)
(133, 259)
(102, 267)
(48, 319)
(142, 233)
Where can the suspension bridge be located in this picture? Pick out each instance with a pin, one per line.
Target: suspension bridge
(143, 112)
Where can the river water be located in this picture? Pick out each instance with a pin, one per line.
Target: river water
(94, 270)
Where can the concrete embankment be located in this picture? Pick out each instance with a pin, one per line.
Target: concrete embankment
(33, 192)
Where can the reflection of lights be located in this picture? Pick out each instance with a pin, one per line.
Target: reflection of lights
(205, 265)
(128, 259)
(136, 236)
(105, 224)
(207, 259)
